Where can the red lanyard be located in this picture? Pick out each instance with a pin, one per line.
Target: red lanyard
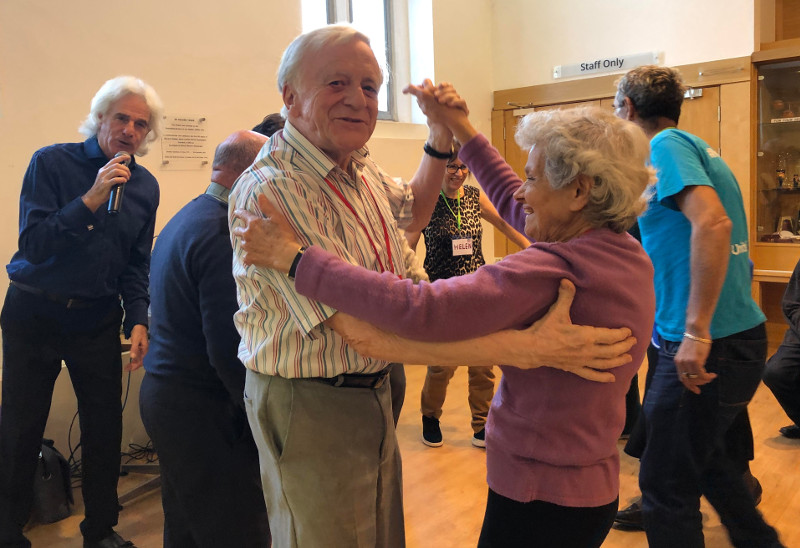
(364, 227)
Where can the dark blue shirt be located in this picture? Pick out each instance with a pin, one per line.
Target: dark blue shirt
(68, 250)
(193, 339)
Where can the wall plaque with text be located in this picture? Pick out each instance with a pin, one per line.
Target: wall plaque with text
(184, 142)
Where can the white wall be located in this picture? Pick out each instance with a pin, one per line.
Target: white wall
(215, 59)
(532, 36)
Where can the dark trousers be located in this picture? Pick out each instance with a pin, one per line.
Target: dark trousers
(738, 438)
(633, 406)
(782, 376)
(397, 386)
(512, 524)
(685, 454)
(37, 335)
(210, 480)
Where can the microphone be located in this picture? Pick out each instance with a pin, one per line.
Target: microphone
(115, 198)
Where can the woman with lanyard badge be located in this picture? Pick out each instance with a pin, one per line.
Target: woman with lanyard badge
(453, 248)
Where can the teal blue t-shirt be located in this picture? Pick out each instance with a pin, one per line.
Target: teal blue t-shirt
(682, 159)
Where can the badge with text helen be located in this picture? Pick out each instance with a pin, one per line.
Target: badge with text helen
(462, 245)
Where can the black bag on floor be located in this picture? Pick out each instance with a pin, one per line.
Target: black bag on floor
(52, 487)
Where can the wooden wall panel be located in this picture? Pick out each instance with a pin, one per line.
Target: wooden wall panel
(734, 134)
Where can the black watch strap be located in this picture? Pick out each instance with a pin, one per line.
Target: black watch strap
(430, 151)
(296, 261)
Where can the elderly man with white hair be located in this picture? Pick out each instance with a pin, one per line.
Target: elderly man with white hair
(78, 268)
(320, 412)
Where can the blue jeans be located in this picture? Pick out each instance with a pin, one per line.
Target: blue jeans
(685, 456)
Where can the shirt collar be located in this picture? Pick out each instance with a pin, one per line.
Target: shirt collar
(92, 149)
(319, 161)
(218, 192)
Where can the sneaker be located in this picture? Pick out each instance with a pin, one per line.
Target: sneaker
(431, 433)
(479, 439)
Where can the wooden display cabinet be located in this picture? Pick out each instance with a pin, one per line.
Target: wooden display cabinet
(775, 189)
(776, 202)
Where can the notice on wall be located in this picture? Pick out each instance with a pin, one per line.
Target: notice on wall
(184, 143)
(606, 64)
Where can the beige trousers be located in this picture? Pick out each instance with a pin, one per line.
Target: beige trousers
(481, 390)
(330, 465)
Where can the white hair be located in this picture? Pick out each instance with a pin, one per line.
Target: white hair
(115, 89)
(312, 43)
(593, 142)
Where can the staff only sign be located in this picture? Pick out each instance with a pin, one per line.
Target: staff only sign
(608, 64)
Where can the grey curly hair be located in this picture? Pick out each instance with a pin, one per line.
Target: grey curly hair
(593, 142)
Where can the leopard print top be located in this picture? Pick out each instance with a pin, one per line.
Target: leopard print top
(439, 260)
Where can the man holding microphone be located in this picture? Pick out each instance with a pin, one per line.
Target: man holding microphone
(79, 267)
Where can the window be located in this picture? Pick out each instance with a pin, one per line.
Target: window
(373, 18)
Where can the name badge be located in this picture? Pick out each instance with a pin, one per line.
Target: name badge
(462, 245)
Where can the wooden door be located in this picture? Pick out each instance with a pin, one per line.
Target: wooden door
(700, 116)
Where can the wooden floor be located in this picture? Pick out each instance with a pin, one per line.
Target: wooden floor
(445, 487)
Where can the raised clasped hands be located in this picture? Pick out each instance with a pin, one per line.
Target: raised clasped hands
(435, 100)
(444, 107)
(267, 241)
(585, 351)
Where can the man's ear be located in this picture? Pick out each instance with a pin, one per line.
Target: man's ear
(630, 110)
(289, 96)
(580, 193)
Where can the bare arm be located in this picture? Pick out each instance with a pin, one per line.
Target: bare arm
(413, 239)
(427, 181)
(708, 263)
(489, 213)
(553, 341)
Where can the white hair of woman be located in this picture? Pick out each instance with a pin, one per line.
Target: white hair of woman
(593, 142)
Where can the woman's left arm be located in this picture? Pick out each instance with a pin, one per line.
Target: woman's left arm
(489, 213)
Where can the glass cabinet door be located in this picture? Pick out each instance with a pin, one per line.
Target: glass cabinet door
(778, 156)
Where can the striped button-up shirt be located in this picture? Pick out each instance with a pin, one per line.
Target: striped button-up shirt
(283, 332)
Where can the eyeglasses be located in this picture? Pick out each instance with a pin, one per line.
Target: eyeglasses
(453, 168)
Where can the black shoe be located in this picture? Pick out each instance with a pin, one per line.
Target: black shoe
(479, 439)
(630, 517)
(792, 432)
(753, 486)
(431, 433)
(111, 541)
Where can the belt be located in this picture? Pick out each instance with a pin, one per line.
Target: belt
(67, 302)
(355, 380)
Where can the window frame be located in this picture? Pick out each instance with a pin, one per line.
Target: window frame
(342, 10)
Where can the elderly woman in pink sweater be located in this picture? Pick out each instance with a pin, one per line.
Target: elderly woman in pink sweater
(552, 462)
